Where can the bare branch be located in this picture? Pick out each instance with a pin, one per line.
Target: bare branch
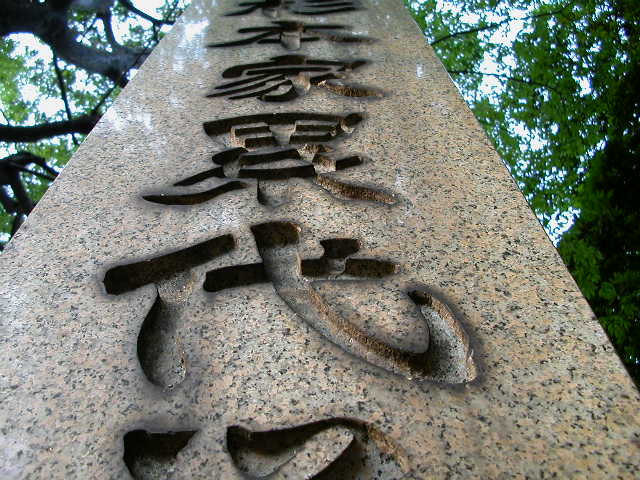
(81, 124)
(506, 77)
(63, 93)
(155, 21)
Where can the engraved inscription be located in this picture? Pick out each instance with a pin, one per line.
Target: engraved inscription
(160, 352)
(362, 304)
(275, 8)
(292, 34)
(125, 278)
(335, 448)
(288, 77)
(309, 288)
(264, 153)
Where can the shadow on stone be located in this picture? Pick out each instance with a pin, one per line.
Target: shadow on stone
(150, 456)
(336, 448)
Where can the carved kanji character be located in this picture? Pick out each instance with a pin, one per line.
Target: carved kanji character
(291, 34)
(288, 77)
(274, 8)
(273, 148)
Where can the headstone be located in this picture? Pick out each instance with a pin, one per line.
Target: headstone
(289, 251)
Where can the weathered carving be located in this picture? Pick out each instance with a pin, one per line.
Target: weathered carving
(335, 448)
(309, 288)
(288, 77)
(275, 8)
(292, 34)
(273, 161)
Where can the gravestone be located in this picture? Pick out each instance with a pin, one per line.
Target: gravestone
(289, 251)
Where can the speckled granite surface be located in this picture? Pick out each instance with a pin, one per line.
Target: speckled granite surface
(435, 332)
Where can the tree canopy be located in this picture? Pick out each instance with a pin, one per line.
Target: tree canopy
(556, 85)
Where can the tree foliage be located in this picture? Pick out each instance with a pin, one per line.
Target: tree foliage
(61, 64)
(556, 85)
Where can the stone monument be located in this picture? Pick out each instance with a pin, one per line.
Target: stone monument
(289, 251)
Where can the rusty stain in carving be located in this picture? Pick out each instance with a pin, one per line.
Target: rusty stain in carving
(264, 152)
(444, 356)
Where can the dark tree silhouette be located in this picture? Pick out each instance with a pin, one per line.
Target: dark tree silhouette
(70, 29)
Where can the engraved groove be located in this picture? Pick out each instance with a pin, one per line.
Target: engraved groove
(195, 198)
(279, 162)
(291, 34)
(275, 8)
(200, 177)
(343, 124)
(150, 456)
(160, 351)
(354, 191)
(328, 449)
(369, 268)
(303, 171)
(297, 73)
(128, 277)
(445, 355)
(235, 276)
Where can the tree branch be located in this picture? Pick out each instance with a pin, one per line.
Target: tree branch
(6, 119)
(143, 52)
(155, 21)
(32, 172)
(506, 77)
(81, 124)
(105, 17)
(493, 26)
(98, 6)
(63, 94)
(87, 30)
(51, 26)
(96, 109)
(24, 158)
(10, 168)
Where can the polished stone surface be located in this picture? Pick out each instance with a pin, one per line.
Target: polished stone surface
(435, 333)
